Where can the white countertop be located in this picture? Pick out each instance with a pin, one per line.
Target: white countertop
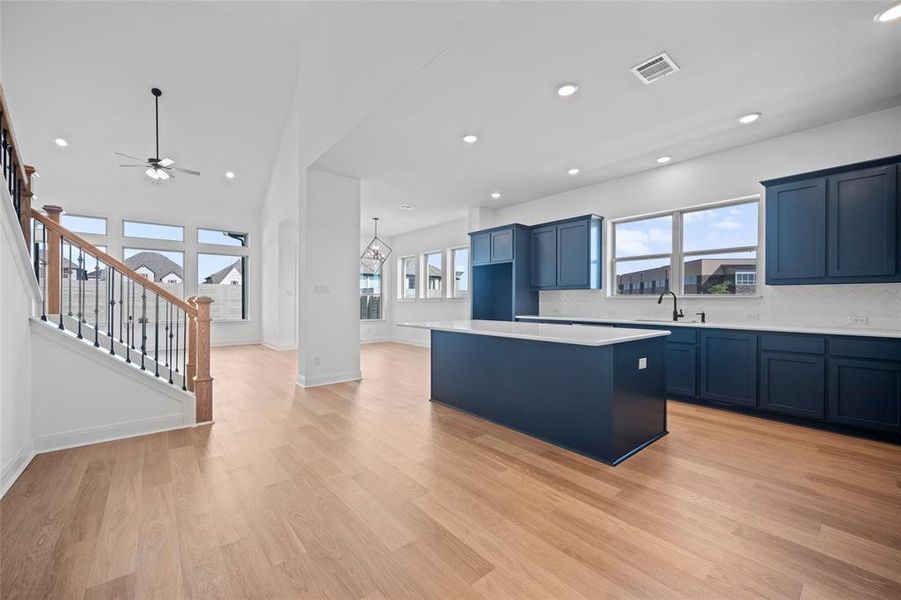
(543, 332)
(756, 326)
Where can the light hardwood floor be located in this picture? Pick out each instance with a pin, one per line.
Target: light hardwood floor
(365, 490)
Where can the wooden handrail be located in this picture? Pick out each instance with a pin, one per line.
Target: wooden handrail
(6, 123)
(105, 258)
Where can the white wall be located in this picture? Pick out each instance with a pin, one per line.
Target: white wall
(329, 281)
(81, 395)
(190, 217)
(729, 174)
(19, 290)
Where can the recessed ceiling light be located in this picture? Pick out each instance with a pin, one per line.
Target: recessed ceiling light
(748, 118)
(495, 195)
(229, 174)
(61, 142)
(470, 138)
(664, 159)
(406, 207)
(889, 14)
(565, 90)
(574, 171)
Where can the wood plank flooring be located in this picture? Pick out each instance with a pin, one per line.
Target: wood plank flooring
(367, 491)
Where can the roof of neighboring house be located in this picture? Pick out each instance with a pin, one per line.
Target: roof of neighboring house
(156, 263)
(221, 274)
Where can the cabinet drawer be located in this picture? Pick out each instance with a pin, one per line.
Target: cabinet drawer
(792, 343)
(793, 384)
(865, 348)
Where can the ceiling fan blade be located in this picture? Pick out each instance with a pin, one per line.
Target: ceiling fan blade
(138, 166)
(166, 162)
(131, 157)
(188, 171)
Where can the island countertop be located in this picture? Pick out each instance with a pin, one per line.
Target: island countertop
(542, 332)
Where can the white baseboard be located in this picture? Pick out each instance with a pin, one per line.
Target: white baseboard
(15, 468)
(377, 340)
(237, 343)
(328, 379)
(108, 433)
(413, 343)
(279, 347)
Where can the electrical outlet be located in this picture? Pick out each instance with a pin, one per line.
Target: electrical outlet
(858, 319)
(320, 288)
(642, 363)
(753, 316)
(317, 361)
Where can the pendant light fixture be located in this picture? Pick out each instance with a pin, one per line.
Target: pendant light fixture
(376, 252)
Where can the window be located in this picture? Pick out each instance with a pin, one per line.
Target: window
(370, 295)
(714, 253)
(720, 250)
(153, 231)
(459, 259)
(433, 274)
(84, 284)
(221, 237)
(164, 267)
(643, 256)
(407, 277)
(80, 224)
(222, 278)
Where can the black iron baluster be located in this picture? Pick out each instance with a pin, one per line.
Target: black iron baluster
(129, 342)
(143, 325)
(111, 290)
(61, 253)
(177, 337)
(169, 311)
(166, 335)
(131, 317)
(43, 254)
(156, 336)
(121, 316)
(69, 279)
(97, 303)
(36, 250)
(184, 355)
(81, 275)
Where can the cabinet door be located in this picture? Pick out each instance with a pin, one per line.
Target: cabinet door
(502, 245)
(866, 393)
(481, 248)
(796, 231)
(573, 254)
(544, 257)
(863, 223)
(793, 384)
(681, 369)
(729, 367)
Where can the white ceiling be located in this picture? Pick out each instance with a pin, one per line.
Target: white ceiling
(83, 71)
(800, 63)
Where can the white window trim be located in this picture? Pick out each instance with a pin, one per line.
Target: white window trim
(401, 278)
(135, 237)
(424, 280)
(82, 233)
(677, 255)
(449, 260)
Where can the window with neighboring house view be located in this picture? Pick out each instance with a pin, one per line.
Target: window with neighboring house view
(433, 274)
(642, 258)
(370, 295)
(153, 231)
(459, 260)
(222, 278)
(715, 253)
(164, 267)
(407, 277)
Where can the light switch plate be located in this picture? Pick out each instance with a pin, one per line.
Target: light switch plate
(858, 319)
(642, 363)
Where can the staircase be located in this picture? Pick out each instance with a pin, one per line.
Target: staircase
(92, 297)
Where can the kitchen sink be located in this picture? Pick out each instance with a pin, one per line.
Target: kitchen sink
(664, 321)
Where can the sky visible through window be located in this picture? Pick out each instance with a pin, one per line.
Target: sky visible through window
(648, 236)
(217, 236)
(89, 225)
(726, 227)
(174, 233)
(207, 264)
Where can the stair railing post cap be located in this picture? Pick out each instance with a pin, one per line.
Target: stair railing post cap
(203, 300)
(52, 208)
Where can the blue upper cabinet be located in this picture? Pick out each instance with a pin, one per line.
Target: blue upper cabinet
(863, 226)
(502, 245)
(481, 248)
(544, 257)
(796, 230)
(840, 225)
(566, 255)
(500, 273)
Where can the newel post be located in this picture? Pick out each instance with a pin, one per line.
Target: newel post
(203, 383)
(25, 207)
(52, 256)
(191, 363)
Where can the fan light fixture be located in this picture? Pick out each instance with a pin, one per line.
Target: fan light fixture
(470, 138)
(376, 253)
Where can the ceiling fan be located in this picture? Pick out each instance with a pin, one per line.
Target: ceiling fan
(157, 169)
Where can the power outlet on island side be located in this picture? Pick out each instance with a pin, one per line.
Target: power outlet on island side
(642, 363)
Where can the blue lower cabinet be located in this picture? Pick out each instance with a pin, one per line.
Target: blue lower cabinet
(729, 367)
(793, 384)
(865, 393)
(681, 370)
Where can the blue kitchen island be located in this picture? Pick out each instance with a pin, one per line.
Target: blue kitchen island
(596, 391)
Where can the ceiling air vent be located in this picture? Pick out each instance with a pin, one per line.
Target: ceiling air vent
(655, 68)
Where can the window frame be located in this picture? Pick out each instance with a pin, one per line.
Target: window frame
(677, 255)
(381, 296)
(401, 260)
(450, 279)
(198, 229)
(424, 280)
(85, 233)
(245, 308)
(155, 239)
